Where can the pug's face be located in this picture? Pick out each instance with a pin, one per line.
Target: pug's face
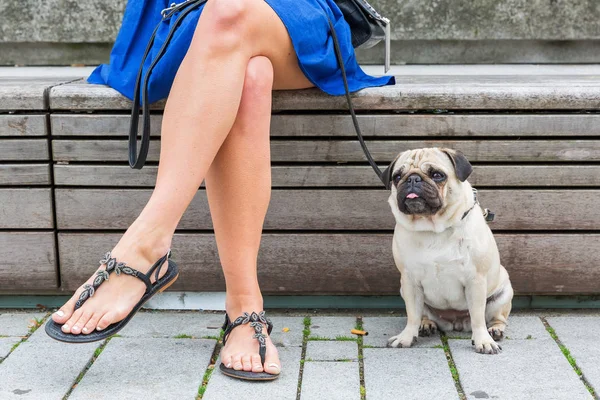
(426, 181)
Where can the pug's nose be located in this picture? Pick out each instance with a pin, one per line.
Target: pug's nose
(414, 179)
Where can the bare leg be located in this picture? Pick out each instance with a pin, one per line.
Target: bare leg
(239, 188)
(200, 112)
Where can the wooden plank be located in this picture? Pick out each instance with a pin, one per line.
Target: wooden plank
(479, 125)
(340, 176)
(24, 174)
(24, 149)
(23, 125)
(333, 209)
(25, 209)
(351, 263)
(417, 92)
(350, 150)
(28, 261)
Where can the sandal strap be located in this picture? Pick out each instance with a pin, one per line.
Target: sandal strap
(112, 265)
(256, 321)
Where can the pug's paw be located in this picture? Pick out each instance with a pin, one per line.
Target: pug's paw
(404, 339)
(486, 345)
(427, 328)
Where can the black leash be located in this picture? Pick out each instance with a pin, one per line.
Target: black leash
(385, 175)
(137, 160)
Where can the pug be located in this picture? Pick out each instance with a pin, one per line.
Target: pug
(451, 276)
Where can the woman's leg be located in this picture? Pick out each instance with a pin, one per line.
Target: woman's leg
(239, 188)
(199, 114)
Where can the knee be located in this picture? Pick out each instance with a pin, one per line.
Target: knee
(258, 81)
(228, 21)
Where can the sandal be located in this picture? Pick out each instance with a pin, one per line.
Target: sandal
(54, 330)
(256, 321)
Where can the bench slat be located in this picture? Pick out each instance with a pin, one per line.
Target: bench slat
(350, 151)
(490, 125)
(22, 125)
(24, 149)
(25, 174)
(333, 209)
(339, 176)
(28, 261)
(350, 263)
(25, 209)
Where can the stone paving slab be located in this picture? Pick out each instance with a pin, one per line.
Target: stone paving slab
(221, 387)
(147, 368)
(332, 327)
(382, 328)
(43, 368)
(519, 328)
(293, 337)
(6, 344)
(331, 381)
(526, 369)
(171, 324)
(580, 336)
(17, 324)
(413, 373)
(318, 350)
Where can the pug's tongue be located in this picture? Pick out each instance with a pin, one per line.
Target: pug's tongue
(412, 196)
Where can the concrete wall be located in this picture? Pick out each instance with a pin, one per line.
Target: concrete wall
(424, 31)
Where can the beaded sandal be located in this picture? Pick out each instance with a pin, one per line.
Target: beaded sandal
(256, 321)
(112, 265)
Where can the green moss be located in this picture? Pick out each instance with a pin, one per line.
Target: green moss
(183, 336)
(363, 392)
(529, 337)
(346, 339)
(438, 346)
(452, 367)
(306, 330)
(205, 379)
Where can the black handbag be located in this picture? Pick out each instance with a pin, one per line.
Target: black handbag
(367, 26)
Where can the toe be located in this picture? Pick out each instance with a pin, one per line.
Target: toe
(256, 363)
(226, 361)
(90, 326)
(66, 328)
(237, 362)
(64, 313)
(81, 322)
(247, 362)
(272, 363)
(106, 320)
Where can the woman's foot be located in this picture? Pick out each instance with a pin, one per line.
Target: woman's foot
(241, 350)
(140, 247)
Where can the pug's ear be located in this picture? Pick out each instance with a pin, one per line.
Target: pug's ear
(386, 175)
(462, 166)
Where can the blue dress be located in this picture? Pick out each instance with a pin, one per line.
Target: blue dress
(306, 22)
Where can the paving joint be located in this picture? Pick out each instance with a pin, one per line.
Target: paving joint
(36, 325)
(569, 358)
(210, 368)
(305, 339)
(361, 363)
(452, 367)
(89, 364)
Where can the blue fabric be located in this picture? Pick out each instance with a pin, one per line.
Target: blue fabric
(305, 20)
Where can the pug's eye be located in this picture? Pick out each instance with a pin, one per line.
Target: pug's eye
(397, 179)
(438, 176)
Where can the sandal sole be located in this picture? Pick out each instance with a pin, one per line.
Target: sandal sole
(247, 375)
(55, 332)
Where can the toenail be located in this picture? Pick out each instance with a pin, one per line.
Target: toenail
(228, 365)
(65, 327)
(75, 328)
(273, 366)
(85, 330)
(99, 328)
(59, 313)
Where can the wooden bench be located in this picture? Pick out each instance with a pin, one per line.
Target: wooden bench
(534, 141)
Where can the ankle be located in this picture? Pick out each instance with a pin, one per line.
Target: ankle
(144, 241)
(236, 305)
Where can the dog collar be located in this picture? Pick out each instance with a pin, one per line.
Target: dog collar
(487, 214)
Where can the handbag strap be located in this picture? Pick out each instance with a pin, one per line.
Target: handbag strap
(138, 159)
(385, 175)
